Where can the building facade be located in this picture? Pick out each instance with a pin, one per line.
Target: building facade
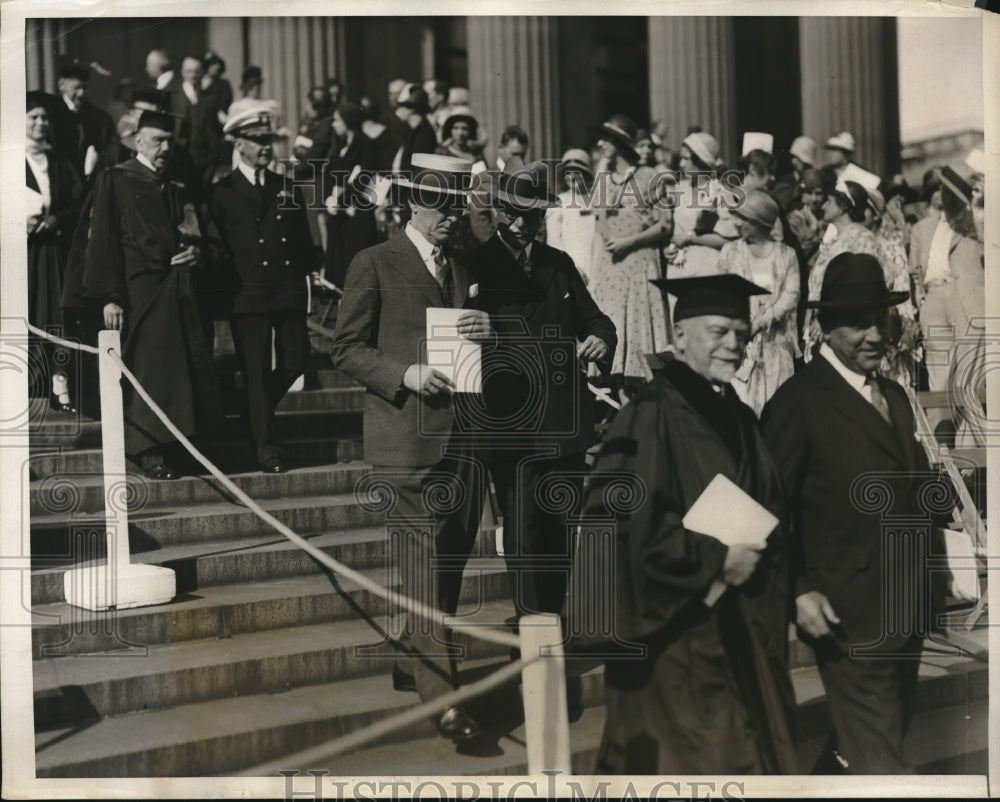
(555, 76)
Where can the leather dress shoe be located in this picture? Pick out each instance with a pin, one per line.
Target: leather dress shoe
(272, 466)
(161, 472)
(403, 680)
(458, 725)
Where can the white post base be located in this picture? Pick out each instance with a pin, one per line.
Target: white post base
(135, 585)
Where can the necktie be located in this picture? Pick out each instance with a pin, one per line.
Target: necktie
(442, 271)
(878, 400)
(522, 259)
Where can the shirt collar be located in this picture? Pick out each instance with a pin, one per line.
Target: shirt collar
(146, 163)
(514, 251)
(856, 380)
(424, 246)
(249, 172)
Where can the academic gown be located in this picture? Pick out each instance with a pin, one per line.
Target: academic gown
(712, 695)
(136, 227)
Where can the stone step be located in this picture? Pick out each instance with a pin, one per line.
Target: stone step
(59, 536)
(258, 735)
(231, 457)
(61, 630)
(71, 494)
(68, 690)
(77, 432)
(272, 556)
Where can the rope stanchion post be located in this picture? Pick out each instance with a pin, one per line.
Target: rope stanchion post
(118, 583)
(546, 720)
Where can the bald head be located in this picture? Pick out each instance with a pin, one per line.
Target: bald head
(157, 63)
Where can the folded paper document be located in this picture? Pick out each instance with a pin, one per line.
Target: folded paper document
(724, 511)
(457, 357)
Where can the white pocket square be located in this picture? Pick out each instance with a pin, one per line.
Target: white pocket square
(473, 290)
(566, 296)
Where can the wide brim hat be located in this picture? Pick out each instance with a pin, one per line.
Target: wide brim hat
(758, 207)
(433, 176)
(522, 186)
(705, 147)
(621, 131)
(843, 141)
(576, 159)
(460, 114)
(250, 124)
(855, 281)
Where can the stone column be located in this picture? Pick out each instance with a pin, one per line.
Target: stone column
(691, 78)
(514, 79)
(849, 83)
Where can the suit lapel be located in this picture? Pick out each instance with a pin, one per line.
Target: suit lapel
(408, 263)
(853, 406)
(460, 282)
(900, 411)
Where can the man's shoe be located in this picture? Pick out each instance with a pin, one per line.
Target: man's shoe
(161, 472)
(458, 725)
(272, 466)
(403, 681)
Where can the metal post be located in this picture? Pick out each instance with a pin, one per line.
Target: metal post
(546, 721)
(118, 583)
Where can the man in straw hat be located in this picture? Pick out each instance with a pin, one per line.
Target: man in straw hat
(829, 427)
(410, 417)
(538, 417)
(145, 238)
(266, 235)
(710, 692)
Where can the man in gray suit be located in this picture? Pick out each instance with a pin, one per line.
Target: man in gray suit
(435, 484)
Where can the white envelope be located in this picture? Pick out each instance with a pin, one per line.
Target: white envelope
(725, 511)
(962, 563)
(457, 357)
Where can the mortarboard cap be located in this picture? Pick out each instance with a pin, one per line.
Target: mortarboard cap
(75, 70)
(156, 119)
(150, 99)
(726, 294)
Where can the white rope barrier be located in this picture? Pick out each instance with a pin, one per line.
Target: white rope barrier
(604, 394)
(60, 341)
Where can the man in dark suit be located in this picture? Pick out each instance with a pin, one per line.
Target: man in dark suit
(200, 114)
(409, 415)
(81, 131)
(265, 231)
(145, 237)
(539, 420)
(828, 427)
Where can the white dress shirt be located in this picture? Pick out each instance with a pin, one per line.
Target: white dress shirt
(938, 270)
(249, 172)
(424, 247)
(515, 252)
(857, 380)
(191, 92)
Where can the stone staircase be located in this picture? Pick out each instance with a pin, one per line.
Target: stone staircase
(264, 656)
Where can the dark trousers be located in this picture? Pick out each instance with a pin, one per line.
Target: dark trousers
(871, 704)
(84, 325)
(266, 387)
(537, 494)
(432, 526)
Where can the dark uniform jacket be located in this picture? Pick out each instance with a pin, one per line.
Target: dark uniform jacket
(266, 235)
(532, 377)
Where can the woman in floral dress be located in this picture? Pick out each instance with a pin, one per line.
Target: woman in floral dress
(630, 230)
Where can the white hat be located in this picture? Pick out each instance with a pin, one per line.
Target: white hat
(842, 141)
(859, 176)
(754, 140)
(445, 175)
(250, 123)
(805, 149)
(705, 147)
(976, 161)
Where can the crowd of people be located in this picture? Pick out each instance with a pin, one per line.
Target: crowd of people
(751, 322)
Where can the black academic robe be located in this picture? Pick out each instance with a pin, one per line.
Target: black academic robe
(712, 694)
(136, 227)
(347, 235)
(75, 132)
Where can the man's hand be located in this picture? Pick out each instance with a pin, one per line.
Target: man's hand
(593, 349)
(475, 324)
(190, 256)
(814, 614)
(426, 381)
(114, 316)
(741, 561)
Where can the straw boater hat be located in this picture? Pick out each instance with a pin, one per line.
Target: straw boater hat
(705, 147)
(953, 181)
(523, 187)
(622, 131)
(843, 141)
(435, 178)
(855, 281)
(249, 124)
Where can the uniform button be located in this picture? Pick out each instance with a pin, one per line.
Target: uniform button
(264, 263)
(283, 239)
(277, 217)
(261, 240)
(288, 261)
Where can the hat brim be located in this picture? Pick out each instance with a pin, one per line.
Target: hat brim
(621, 142)
(892, 299)
(406, 182)
(578, 166)
(521, 202)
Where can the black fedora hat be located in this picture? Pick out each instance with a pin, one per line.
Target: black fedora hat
(622, 131)
(855, 281)
(523, 187)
